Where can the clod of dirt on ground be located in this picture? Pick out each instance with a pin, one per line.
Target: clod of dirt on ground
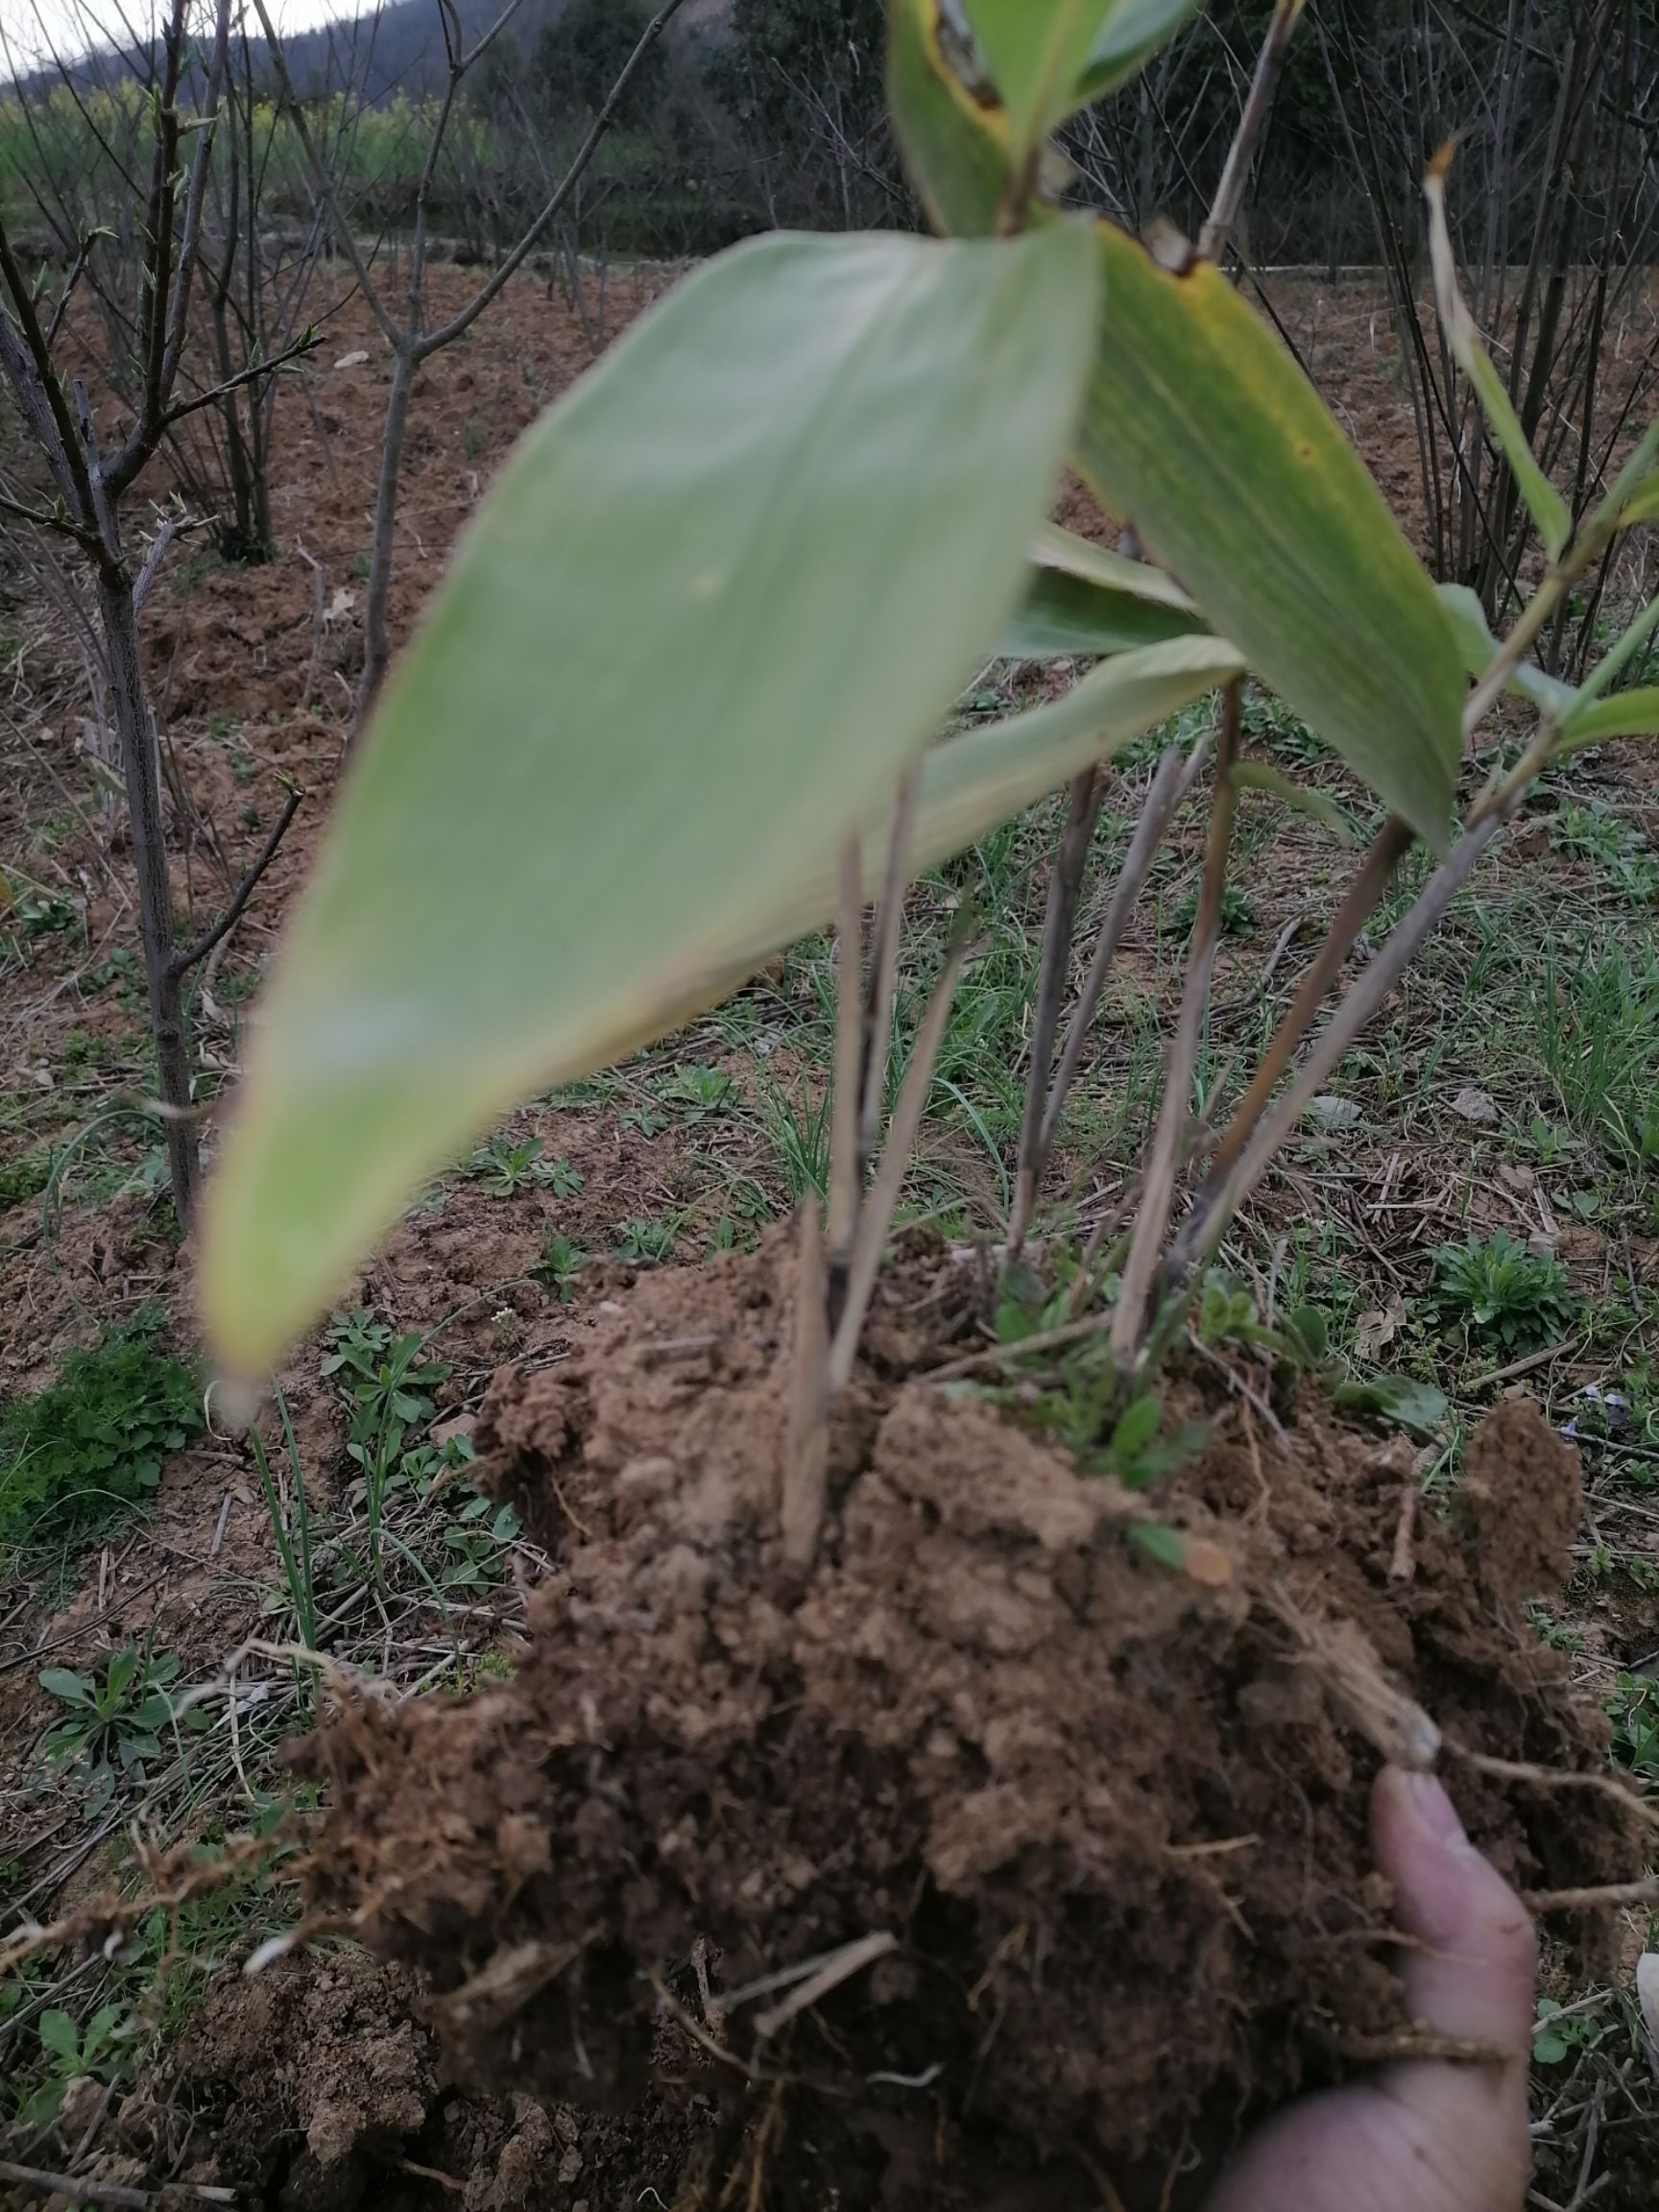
(998, 1842)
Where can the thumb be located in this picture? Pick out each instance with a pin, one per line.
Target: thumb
(1429, 2135)
(1470, 1974)
(1470, 1971)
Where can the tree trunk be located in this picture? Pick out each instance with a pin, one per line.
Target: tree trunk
(141, 768)
(376, 642)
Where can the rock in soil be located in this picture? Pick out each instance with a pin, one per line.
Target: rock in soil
(1096, 1829)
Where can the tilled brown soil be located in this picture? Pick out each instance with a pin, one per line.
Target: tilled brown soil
(1096, 1825)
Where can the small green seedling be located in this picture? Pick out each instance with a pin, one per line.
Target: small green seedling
(561, 1261)
(506, 1168)
(116, 1720)
(1503, 1293)
(1302, 1345)
(1634, 1707)
(700, 1091)
(1237, 915)
(1549, 1145)
(477, 1542)
(1557, 2032)
(103, 2052)
(647, 1243)
(388, 1385)
(1138, 1454)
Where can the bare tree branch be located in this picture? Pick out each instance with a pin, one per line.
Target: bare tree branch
(186, 959)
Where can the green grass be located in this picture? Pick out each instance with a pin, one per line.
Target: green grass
(91, 1445)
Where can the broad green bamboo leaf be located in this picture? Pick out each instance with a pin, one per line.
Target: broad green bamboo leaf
(1035, 51)
(1478, 649)
(966, 786)
(1635, 494)
(1084, 600)
(962, 148)
(1258, 776)
(972, 783)
(955, 137)
(1626, 714)
(1131, 34)
(1202, 430)
(1201, 427)
(714, 604)
(1544, 503)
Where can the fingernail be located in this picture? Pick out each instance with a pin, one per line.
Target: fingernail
(1436, 1810)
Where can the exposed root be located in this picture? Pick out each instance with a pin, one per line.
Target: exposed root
(1540, 1902)
(1347, 1667)
(1555, 1778)
(1418, 2044)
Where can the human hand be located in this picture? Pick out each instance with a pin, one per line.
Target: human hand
(1427, 2135)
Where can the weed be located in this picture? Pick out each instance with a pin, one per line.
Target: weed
(390, 1387)
(290, 1525)
(115, 1719)
(701, 1091)
(82, 1053)
(1224, 1312)
(1634, 1707)
(1549, 1145)
(1238, 914)
(44, 915)
(799, 1136)
(559, 1265)
(645, 1242)
(1617, 847)
(1559, 2030)
(1503, 1291)
(1599, 1036)
(475, 1542)
(24, 1176)
(121, 967)
(506, 1168)
(1271, 723)
(1556, 1635)
(94, 1441)
(101, 2051)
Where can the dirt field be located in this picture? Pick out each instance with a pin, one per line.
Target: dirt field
(1510, 1089)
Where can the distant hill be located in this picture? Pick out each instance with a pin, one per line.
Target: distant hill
(397, 48)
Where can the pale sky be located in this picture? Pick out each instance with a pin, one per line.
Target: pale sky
(31, 29)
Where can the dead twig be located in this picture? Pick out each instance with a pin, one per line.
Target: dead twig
(1229, 193)
(78, 2192)
(851, 1960)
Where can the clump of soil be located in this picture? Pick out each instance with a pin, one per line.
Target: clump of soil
(319, 2086)
(1098, 1827)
